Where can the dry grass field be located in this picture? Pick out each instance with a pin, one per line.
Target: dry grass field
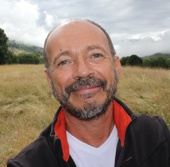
(27, 105)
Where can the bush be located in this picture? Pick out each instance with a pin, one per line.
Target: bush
(123, 60)
(146, 63)
(159, 62)
(133, 60)
(168, 63)
(29, 58)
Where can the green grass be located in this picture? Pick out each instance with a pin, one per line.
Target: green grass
(27, 105)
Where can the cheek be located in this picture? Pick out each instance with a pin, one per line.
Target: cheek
(61, 80)
(106, 71)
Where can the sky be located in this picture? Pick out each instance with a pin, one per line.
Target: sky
(140, 27)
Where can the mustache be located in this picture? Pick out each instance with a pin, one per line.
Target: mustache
(85, 82)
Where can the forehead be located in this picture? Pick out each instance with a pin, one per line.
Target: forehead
(74, 35)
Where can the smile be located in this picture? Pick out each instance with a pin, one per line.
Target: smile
(87, 92)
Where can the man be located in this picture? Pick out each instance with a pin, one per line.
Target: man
(92, 127)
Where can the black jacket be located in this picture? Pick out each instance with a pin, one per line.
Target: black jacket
(144, 141)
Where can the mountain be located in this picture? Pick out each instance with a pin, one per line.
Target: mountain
(166, 55)
(18, 48)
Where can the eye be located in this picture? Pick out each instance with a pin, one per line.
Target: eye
(97, 55)
(62, 63)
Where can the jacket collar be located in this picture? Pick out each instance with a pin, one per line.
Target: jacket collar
(122, 118)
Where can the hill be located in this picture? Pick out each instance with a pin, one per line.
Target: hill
(18, 48)
(166, 55)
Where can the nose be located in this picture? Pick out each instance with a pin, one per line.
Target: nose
(82, 69)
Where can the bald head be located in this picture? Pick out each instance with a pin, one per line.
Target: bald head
(72, 25)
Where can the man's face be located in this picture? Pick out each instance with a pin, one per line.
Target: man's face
(82, 71)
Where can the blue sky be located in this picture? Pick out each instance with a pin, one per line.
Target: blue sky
(139, 27)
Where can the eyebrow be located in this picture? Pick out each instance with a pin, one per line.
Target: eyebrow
(93, 47)
(88, 48)
(59, 55)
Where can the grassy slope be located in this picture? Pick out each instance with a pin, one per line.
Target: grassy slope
(27, 106)
(18, 48)
(154, 56)
(17, 51)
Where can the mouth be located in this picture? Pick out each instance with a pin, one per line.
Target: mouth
(87, 92)
(86, 87)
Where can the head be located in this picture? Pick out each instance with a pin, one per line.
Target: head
(81, 68)
(46, 55)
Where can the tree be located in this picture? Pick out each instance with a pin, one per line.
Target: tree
(161, 61)
(11, 58)
(123, 60)
(146, 63)
(25, 58)
(168, 63)
(3, 47)
(158, 62)
(134, 60)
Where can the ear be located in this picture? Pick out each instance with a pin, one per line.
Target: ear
(48, 78)
(118, 67)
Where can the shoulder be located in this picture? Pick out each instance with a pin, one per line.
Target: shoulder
(38, 153)
(150, 129)
(148, 141)
(31, 154)
(151, 122)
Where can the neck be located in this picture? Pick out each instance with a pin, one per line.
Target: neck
(94, 132)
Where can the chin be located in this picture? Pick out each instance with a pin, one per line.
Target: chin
(87, 109)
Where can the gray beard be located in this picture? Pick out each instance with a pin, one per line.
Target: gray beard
(88, 111)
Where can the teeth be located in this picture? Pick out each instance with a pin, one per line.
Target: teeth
(88, 87)
(88, 95)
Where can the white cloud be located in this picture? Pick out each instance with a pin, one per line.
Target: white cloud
(136, 27)
(143, 45)
(49, 20)
(19, 20)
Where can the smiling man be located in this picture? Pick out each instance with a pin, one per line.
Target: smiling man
(92, 127)
(79, 70)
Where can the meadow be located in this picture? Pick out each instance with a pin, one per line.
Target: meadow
(27, 105)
